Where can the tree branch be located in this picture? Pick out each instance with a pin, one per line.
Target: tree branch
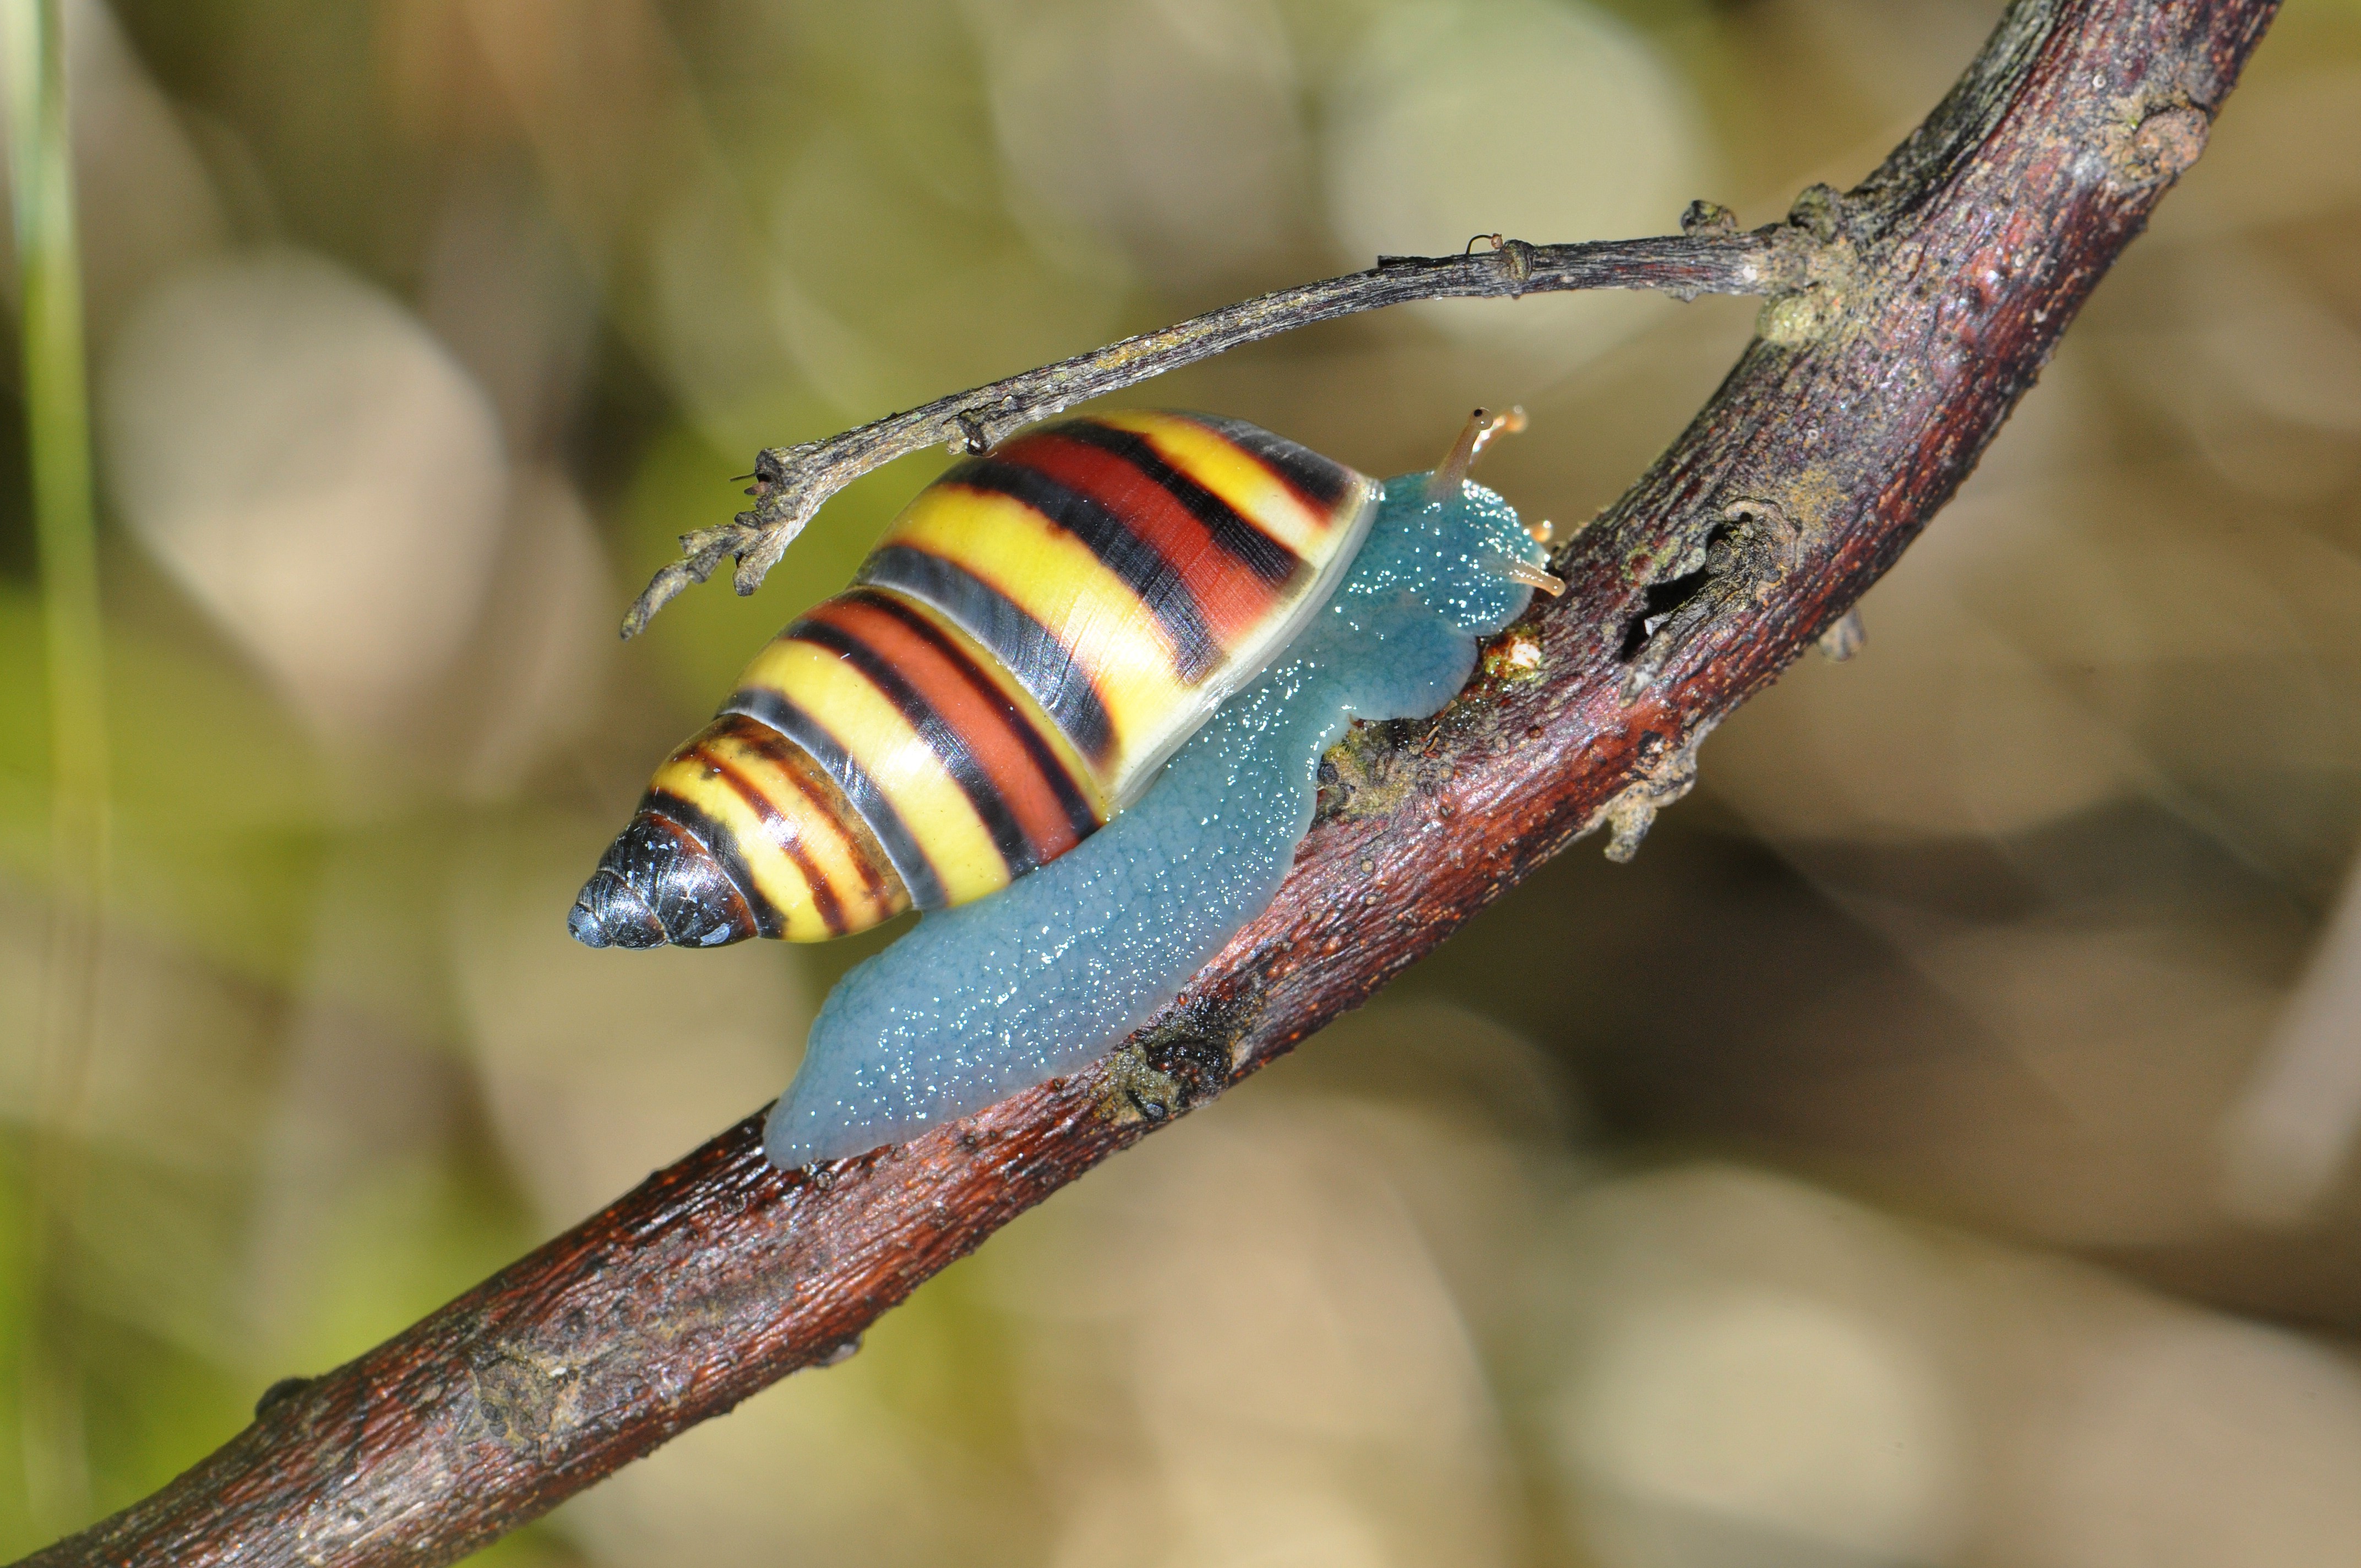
(792, 482)
(1941, 286)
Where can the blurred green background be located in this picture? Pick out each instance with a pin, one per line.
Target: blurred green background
(1936, 1149)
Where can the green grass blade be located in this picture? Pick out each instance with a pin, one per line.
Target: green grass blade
(57, 408)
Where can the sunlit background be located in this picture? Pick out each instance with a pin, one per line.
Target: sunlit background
(1936, 1149)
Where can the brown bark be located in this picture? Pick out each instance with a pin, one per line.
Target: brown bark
(1942, 284)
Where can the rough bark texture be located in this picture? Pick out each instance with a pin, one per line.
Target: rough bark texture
(1710, 257)
(1865, 399)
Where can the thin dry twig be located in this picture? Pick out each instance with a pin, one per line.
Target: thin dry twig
(1941, 286)
(792, 482)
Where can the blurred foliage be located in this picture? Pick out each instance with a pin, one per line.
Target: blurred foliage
(1934, 1148)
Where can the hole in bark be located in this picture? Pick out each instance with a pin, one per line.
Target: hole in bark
(1665, 597)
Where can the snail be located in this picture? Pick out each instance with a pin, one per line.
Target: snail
(1071, 709)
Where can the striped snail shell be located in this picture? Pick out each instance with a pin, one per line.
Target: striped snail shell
(1037, 633)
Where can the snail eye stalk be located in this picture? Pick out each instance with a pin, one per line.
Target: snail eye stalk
(1478, 433)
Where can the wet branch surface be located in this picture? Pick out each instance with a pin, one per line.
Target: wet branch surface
(1936, 291)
